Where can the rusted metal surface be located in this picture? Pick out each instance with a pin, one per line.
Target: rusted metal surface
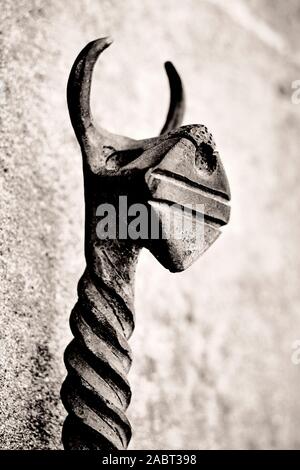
(180, 167)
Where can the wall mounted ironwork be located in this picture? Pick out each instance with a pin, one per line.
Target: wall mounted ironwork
(179, 166)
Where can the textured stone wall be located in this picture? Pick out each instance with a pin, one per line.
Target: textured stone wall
(212, 346)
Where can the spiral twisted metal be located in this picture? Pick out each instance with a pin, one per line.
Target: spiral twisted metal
(96, 392)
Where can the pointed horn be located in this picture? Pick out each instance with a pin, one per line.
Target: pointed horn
(79, 87)
(177, 101)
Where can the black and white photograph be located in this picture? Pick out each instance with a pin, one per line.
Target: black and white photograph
(149, 229)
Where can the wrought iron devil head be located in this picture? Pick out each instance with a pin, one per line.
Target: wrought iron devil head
(179, 166)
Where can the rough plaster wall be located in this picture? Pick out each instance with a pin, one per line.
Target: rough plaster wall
(212, 346)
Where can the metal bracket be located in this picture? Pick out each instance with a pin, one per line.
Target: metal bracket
(178, 172)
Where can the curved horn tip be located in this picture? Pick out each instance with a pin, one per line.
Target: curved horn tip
(171, 69)
(177, 102)
(169, 65)
(79, 85)
(107, 40)
(98, 45)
